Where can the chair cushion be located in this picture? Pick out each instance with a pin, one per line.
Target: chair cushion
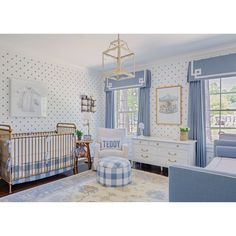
(111, 152)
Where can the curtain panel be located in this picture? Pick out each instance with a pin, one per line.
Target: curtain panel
(196, 118)
(144, 105)
(110, 110)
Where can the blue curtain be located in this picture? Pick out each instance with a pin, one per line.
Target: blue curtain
(109, 116)
(196, 118)
(144, 105)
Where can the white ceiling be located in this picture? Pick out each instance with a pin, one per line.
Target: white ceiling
(86, 49)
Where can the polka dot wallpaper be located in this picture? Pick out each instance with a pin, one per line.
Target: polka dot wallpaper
(170, 73)
(65, 85)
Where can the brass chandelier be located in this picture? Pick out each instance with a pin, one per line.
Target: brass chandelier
(118, 61)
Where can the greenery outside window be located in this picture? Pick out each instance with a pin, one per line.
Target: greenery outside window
(126, 109)
(220, 107)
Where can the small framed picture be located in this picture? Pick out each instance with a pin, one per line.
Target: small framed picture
(169, 105)
(87, 137)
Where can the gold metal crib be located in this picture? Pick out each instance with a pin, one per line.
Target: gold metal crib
(30, 156)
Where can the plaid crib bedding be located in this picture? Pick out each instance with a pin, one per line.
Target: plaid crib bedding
(113, 171)
(30, 158)
(38, 168)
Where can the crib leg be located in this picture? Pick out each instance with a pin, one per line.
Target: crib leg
(10, 188)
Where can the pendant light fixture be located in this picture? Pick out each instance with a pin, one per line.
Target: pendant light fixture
(118, 61)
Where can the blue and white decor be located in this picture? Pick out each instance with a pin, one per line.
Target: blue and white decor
(113, 171)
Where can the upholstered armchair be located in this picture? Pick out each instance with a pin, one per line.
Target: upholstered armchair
(109, 134)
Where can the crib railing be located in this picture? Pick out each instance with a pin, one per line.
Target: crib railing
(24, 155)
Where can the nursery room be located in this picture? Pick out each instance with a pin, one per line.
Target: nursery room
(117, 117)
(117, 122)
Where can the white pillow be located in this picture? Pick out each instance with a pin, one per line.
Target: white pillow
(111, 143)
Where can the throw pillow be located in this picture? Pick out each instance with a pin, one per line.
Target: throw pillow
(114, 143)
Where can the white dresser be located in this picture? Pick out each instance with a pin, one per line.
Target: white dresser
(163, 152)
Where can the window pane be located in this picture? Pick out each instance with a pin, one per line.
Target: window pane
(126, 113)
(215, 102)
(228, 119)
(214, 86)
(228, 101)
(214, 119)
(220, 106)
(228, 84)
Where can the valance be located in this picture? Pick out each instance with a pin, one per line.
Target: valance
(141, 80)
(211, 68)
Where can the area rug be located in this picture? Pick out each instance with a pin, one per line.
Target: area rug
(145, 187)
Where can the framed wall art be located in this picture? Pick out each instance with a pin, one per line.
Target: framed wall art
(28, 98)
(169, 105)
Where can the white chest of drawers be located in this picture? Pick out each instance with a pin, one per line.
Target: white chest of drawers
(163, 152)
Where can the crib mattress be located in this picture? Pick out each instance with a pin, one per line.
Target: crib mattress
(222, 164)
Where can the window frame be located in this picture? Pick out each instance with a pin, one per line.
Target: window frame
(117, 112)
(220, 110)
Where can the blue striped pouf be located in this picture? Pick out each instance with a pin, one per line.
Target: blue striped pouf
(113, 171)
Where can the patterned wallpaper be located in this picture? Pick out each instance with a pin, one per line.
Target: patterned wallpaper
(171, 72)
(168, 74)
(65, 85)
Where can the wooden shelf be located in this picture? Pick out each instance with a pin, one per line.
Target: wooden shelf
(88, 104)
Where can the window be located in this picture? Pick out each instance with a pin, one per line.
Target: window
(220, 107)
(126, 109)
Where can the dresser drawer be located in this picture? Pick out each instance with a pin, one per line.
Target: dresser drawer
(168, 161)
(140, 142)
(145, 149)
(168, 145)
(172, 153)
(143, 157)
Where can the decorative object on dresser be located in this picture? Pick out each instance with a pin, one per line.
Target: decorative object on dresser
(141, 128)
(88, 103)
(163, 152)
(169, 105)
(83, 153)
(183, 133)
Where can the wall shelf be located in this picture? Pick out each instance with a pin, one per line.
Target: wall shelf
(88, 104)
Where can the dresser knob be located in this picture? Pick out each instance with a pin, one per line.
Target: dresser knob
(144, 150)
(157, 144)
(144, 156)
(172, 154)
(171, 160)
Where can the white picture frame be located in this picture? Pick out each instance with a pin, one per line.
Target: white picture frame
(28, 98)
(169, 105)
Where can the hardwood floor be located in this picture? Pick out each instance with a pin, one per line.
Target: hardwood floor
(24, 186)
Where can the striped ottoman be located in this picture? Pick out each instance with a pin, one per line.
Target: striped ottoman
(113, 171)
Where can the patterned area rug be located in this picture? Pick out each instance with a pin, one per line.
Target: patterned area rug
(145, 187)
